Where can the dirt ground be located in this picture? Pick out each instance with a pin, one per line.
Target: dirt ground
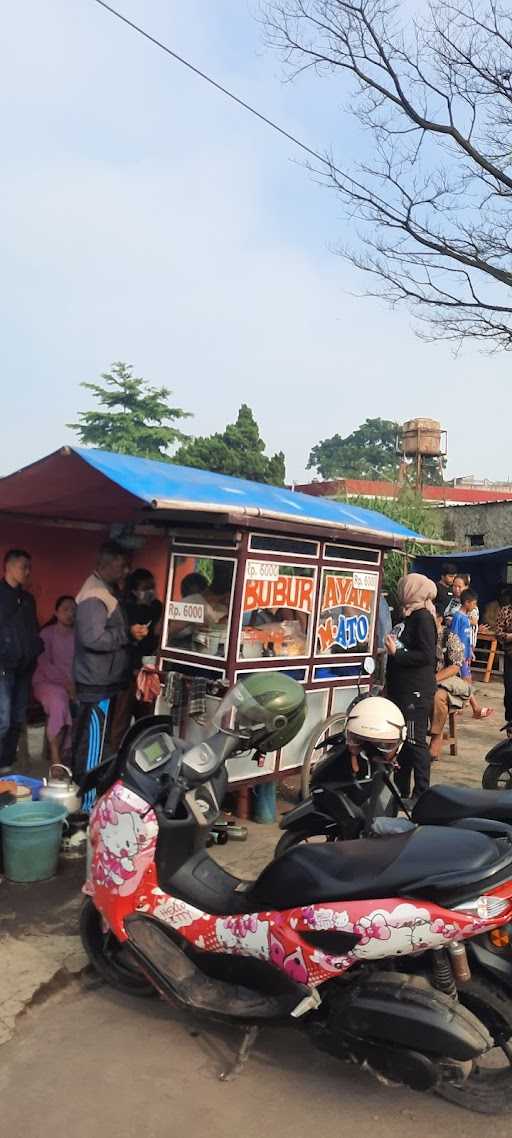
(97, 1063)
(82, 1057)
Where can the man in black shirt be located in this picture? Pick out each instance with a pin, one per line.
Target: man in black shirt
(444, 587)
(20, 645)
(143, 610)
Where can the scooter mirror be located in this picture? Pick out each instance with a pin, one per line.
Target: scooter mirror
(369, 665)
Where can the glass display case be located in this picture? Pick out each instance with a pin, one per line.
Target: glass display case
(244, 601)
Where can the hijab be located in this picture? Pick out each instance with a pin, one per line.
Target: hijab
(416, 592)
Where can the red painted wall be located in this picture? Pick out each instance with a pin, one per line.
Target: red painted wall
(63, 558)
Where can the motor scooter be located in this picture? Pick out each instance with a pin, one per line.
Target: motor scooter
(498, 775)
(362, 944)
(344, 806)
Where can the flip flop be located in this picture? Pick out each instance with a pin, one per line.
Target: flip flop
(485, 712)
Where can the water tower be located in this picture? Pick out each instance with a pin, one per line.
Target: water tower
(421, 439)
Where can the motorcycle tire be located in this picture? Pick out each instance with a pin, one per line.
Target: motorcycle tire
(293, 838)
(488, 1089)
(497, 778)
(312, 756)
(109, 958)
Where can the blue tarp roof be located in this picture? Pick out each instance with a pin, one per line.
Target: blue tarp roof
(501, 553)
(487, 567)
(167, 486)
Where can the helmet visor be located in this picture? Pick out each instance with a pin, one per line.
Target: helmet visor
(240, 711)
(380, 750)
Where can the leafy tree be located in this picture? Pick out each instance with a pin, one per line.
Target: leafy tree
(239, 450)
(410, 510)
(136, 418)
(432, 89)
(369, 452)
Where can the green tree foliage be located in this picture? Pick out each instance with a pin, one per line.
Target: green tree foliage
(369, 452)
(239, 450)
(138, 418)
(410, 510)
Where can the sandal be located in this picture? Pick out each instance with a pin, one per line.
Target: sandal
(485, 712)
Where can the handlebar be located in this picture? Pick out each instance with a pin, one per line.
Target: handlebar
(174, 798)
(203, 760)
(330, 741)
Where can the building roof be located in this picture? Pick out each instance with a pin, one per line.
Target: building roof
(501, 553)
(75, 483)
(475, 505)
(444, 495)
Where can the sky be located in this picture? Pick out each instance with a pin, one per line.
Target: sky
(145, 218)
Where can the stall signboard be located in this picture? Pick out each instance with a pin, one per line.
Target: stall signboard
(184, 610)
(277, 610)
(347, 611)
(263, 570)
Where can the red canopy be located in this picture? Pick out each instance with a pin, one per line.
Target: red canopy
(63, 486)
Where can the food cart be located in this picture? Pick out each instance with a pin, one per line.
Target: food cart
(255, 577)
(280, 581)
(254, 598)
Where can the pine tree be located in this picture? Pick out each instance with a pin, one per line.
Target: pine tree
(136, 416)
(239, 451)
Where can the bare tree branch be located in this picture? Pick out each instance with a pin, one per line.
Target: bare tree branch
(436, 97)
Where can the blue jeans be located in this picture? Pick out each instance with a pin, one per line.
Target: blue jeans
(14, 693)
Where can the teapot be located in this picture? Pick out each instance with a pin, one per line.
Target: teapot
(65, 792)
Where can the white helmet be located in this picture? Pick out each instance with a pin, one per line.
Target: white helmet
(378, 726)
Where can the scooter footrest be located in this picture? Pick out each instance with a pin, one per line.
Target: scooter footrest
(176, 974)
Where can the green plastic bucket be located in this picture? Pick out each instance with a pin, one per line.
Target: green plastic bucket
(31, 837)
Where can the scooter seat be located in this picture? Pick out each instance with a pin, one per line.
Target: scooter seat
(437, 864)
(441, 805)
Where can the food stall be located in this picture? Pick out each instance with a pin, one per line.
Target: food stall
(255, 577)
(264, 599)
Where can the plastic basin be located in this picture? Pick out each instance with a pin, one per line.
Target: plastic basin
(35, 784)
(31, 838)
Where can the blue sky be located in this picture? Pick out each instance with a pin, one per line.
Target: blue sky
(146, 218)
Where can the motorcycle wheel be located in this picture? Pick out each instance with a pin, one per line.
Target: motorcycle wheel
(293, 838)
(108, 957)
(329, 726)
(497, 778)
(488, 1089)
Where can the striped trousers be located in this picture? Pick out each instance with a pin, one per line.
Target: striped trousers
(90, 733)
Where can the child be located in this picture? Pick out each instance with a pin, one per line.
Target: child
(461, 626)
(474, 616)
(453, 606)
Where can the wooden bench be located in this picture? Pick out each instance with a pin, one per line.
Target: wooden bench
(450, 732)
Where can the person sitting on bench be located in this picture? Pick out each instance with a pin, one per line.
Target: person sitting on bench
(52, 684)
(449, 680)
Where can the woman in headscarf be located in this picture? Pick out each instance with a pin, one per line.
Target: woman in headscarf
(411, 673)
